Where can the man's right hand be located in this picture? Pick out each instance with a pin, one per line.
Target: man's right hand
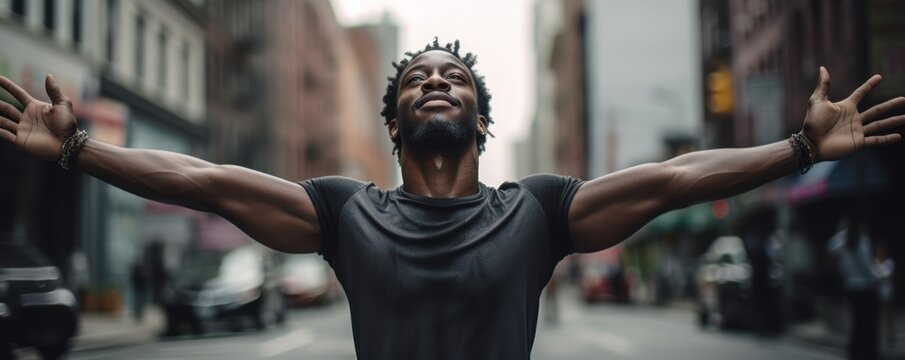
(42, 128)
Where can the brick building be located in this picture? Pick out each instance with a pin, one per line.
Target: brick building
(558, 139)
(291, 92)
(776, 49)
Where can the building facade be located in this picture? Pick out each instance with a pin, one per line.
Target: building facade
(135, 73)
(557, 141)
(152, 75)
(296, 92)
(776, 50)
(375, 47)
(39, 198)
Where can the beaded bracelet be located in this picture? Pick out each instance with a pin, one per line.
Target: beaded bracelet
(71, 148)
(803, 151)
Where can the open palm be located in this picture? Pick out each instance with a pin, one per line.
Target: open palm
(838, 129)
(41, 128)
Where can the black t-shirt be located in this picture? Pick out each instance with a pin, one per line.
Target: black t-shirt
(434, 278)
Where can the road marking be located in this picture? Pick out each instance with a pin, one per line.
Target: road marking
(604, 340)
(291, 341)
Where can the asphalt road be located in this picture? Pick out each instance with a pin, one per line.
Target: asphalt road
(582, 332)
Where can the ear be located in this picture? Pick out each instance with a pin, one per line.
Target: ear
(393, 128)
(482, 125)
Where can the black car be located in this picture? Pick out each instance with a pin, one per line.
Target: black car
(35, 310)
(738, 287)
(224, 287)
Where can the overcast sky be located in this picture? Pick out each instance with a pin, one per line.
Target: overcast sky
(500, 33)
(646, 80)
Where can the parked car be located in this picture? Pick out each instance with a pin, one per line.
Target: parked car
(228, 286)
(727, 285)
(603, 276)
(35, 310)
(308, 280)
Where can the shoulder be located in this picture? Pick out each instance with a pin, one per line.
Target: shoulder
(544, 186)
(332, 192)
(547, 180)
(333, 184)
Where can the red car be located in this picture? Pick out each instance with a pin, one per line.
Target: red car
(603, 276)
(308, 280)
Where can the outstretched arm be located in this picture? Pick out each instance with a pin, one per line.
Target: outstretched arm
(607, 210)
(273, 211)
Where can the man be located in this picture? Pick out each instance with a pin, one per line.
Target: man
(852, 248)
(444, 267)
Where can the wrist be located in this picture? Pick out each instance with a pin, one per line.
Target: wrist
(69, 150)
(804, 150)
(811, 145)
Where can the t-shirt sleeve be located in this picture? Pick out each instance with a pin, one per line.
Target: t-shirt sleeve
(329, 194)
(555, 193)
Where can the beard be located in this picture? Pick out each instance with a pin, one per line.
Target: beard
(437, 135)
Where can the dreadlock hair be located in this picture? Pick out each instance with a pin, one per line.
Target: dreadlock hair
(391, 98)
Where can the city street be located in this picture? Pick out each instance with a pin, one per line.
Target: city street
(584, 332)
(201, 159)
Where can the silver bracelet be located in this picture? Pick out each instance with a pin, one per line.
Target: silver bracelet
(71, 148)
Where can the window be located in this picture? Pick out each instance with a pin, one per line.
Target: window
(184, 59)
(817, 26)
(18, 8)
(139, 46)
(838, 15)
(162, 59)
(76, 22)
(111, 29)
(50, 14)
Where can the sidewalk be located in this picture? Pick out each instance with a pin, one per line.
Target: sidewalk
(816, 334)
(98, 331)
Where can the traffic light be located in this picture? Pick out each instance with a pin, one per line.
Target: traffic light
(720, 93)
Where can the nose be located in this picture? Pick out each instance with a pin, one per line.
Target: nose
(435, 83)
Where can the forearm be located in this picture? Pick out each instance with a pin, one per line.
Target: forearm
(714, 174)
(154, 174)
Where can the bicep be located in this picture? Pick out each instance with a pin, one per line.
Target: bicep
(273, 211)
(607, 210)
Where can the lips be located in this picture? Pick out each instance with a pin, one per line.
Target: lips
(436, 96)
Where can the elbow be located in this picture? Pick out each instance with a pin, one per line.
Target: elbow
(677, 191)
(203, 183)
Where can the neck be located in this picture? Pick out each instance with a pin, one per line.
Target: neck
(440, 175)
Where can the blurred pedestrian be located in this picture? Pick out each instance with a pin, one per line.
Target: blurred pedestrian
(139, 279)
(78, 275)
(884, 266)
(766, 313)
(444, 266)
(157, 271)
(852, 249)
(551, 305)
(669, 279)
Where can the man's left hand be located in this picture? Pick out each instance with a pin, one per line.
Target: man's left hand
(838, 129)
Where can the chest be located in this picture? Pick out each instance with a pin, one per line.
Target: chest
(469, 255)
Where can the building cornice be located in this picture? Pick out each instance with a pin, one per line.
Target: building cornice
(112, 88)
(193, 12)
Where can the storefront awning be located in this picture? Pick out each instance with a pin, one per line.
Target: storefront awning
(838, 178)
(690, 219)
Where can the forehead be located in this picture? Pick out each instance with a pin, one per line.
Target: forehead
(435, 58)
